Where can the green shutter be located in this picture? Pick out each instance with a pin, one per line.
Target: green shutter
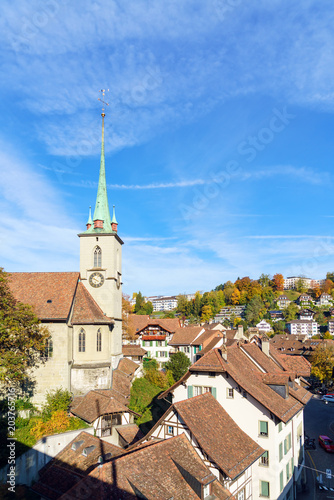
(264, 488)
(190, 391)
(151, 342)
(285, 446)
(280, 451)
(166, 342)
(148, 354)
(281, 483)
(214, 392)
(263, 428)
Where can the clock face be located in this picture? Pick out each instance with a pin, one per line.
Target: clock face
(96, 280)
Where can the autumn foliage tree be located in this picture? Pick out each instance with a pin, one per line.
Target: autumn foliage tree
(278, 281)
(22, 337)
(322, 362)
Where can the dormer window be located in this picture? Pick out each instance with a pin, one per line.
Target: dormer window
(76, 445)
(97, 257)
(88, 450)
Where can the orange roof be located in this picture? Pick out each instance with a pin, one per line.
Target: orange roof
(50, 294)
(86, 310)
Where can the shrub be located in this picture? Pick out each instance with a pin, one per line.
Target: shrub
(59, 422)
(56, 400)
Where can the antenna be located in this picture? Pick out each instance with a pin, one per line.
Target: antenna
(103, 91)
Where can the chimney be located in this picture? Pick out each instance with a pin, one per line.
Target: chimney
(240, 332)
(265, 345)
(223, 352)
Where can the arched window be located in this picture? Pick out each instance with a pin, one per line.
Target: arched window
(82, 340)
(97, 257)
(48, 352)
(99, 340)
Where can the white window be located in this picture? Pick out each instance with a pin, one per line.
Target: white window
(82, 340)
(263, 428)
(170, 430)
(162, 354)
(99, 340)
(241, 494)
(206, 490)
(97, 257)
(198, 389)
(230, 393)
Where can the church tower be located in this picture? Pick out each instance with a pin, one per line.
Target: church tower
(101, 260)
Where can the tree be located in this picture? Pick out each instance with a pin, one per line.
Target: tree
(228, 290)
(254, 310)
(22, 337)
(206, 314)
(322, 361)
(178, 365)
(56, 400)
(168, 315)
(279, 326)
(290, 312)
(264, 280)
(301, 285)
(235, 296)
(128, 328)
(328, 286)
(278, 281)
(140, 302)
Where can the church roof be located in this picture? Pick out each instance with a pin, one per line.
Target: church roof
(85, 309)
(50, 294)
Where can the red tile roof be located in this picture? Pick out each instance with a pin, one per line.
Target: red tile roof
(97, 403)
(186, 335)
(244, 369)
(139, 322)
(70, 466)
(133, 350)
(50, 294)
(220, 438)
(85, 309)
(130, 433)
(160, 471)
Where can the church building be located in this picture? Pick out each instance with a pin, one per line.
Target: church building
(82, 310)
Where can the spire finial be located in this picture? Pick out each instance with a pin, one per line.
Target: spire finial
(103, 91)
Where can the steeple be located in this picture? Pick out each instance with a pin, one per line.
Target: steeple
(101, 213)
(114, 223)
(89, 222)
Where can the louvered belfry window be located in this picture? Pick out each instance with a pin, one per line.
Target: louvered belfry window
(97, 257)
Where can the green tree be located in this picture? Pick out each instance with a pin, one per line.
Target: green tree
(264, 280)
(56, 400)
(254, 310)
(279, 326)
(178, 365)
(322, 361)
(22, 337)
(290, 312)
(140, 302)
(301, 285)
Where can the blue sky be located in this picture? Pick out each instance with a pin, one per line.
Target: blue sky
(219, 136)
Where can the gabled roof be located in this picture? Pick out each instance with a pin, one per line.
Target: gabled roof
(133, 350)
(130, 433)
(241, 364)
(85, 309)
(164, 470)
(97, 403)
(139, 322)
(70, 466)
(220, 438)
(186, 335)
(50, 294)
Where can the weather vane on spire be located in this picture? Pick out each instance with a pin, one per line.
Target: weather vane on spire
(102, 100)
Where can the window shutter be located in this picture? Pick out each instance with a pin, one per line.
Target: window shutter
(281, 484)
(190, 391)
(263, 427)
(214, 392)
(151, 343)
(285, 447)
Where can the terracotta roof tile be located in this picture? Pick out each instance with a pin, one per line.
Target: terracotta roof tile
(86, 310)
(155, 471)
(185, 335)
(70, 466)
(130, 433)
(50, 294)
(139, 322)
(133, 350)
(95, 403)
(127, 366)
(218, 435)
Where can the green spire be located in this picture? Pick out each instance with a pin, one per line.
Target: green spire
(101, 211)
(113, 220)
(90, 221)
